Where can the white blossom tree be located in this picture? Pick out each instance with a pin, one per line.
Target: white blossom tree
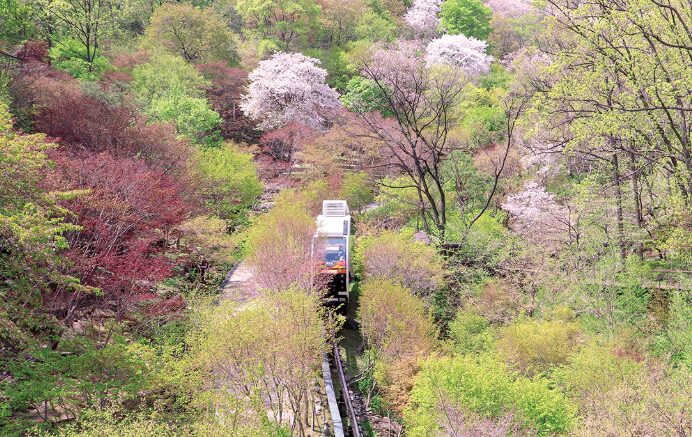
(459, 51)
(537, 216)
(289, 87)
(423, 16)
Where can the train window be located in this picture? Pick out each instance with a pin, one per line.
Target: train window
(334, 250)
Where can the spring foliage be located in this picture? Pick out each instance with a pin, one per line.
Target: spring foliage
(466, 17)
(398, 257)
(449, 389)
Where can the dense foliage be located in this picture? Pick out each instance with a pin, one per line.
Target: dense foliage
(519, 175)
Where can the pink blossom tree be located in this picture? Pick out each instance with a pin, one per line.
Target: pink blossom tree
(289, 87)
(459, 51)
(423, 16)
(537, 216)
(510, 8)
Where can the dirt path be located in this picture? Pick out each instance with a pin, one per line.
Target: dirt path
(239, 284)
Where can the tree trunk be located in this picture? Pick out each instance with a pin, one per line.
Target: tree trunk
(638, 217)
(618, 200)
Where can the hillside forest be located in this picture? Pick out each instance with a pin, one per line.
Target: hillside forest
(519, 176)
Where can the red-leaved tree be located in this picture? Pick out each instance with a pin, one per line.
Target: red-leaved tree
(283, 142)
(62, 110)
(126, 216)
(224, 94)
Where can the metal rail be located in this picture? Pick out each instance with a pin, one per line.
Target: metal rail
(355, 429)
(331, 399)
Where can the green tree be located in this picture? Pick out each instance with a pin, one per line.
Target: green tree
(363, 95)
(195, 34)
(285, 21)
(32, 228)
(86, 21)
(228, 180)
(16, 22)
(358, 191)
(166, 75)
(77, 376)
(467, 17)
(267, 355)
(170, 89)
(279, 246)
(373, 26)
(69, 55)
(192, 117)
(626, 107)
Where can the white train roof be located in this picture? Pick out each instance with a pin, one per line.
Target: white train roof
(335, 219)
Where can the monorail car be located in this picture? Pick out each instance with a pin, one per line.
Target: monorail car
(331, 249)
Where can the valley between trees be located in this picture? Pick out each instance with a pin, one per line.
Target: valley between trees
(519, 175)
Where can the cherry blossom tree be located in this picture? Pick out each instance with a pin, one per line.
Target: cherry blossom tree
(423, 16)
(510, 8)
(459, 51)
(536, 215)
(289, 87)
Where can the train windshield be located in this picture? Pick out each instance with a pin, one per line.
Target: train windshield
(334, 250)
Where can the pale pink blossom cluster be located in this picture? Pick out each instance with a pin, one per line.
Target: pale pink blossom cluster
(289, 87)
(510, 8)
(423, 16)
(537, 216)
(459, 51)
(398, 65)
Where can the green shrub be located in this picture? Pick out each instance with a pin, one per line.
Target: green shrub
(541, 408)
(114, 422)
(483, 387)
(478, 385)
(537, 346)
(675, 341)
(470, 333)
(594, 370)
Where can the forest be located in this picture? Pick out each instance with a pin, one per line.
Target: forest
(519, 175)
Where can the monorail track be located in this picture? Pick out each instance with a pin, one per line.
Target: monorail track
(350, 426)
